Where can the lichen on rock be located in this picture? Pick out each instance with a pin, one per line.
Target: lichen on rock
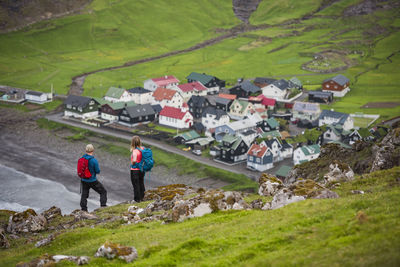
(111, 250)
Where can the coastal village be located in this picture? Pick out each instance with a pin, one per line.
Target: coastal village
(264, 122)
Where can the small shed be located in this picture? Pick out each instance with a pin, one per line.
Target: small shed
(283, 172)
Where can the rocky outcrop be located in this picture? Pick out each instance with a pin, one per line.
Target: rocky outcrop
(49, 260)
(110, 251)
(26, 222)
(244, 8)
(281, 199)
(3, 239)
(269, 185)
(338, 172)
(52, 213)
(386, 154)
(45, 241)
(295, 192)
(369, 6)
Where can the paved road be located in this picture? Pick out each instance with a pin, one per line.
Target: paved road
(240, 168)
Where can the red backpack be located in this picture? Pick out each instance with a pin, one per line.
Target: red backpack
(83, 168)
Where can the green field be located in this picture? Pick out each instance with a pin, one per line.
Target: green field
(354, 230)
(111, 33)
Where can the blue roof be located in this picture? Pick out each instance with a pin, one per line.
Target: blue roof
(334, 114)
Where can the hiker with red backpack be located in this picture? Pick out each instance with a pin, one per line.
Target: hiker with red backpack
(141, 162)
(88, 167)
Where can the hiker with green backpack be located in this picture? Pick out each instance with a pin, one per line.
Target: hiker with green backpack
(141, 162)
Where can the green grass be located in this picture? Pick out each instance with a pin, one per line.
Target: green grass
(354, 230)
(109, 33)
(361, 122)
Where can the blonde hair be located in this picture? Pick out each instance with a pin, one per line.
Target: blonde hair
(135, 142)
(89, 148)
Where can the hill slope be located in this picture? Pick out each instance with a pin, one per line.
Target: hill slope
(354, 230)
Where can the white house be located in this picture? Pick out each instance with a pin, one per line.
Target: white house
(167, 97)
(277, 90)
(141, 96)
(80, 107)
(37, 97)
(115, 94)
(187, 90)
(306, 111)
(239, 109)
(259, 157)
(176, 117)
(213, 118)
(163, 82)
(286, 150)
(330, 117)
(305, 154)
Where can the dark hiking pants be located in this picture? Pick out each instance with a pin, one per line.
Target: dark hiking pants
(96, 186)
(137, 179)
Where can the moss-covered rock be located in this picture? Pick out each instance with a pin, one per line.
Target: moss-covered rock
(111, 250)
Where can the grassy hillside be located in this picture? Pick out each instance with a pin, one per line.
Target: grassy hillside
(354, 230)
(109, 33)
(363, 42)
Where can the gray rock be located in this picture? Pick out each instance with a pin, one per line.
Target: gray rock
(3, 239)
(357, 192)
(257, 204)
(45, 241)
(26, 222)
(326, 194)
(338, 172)
(52, 213)
(281, 199)
(110, 251)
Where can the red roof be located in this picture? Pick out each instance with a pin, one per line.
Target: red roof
(267, 101)
(257, 150)
(163, 93)
(227, 96)
(165, 80)
(172, 112)
(194, 86)
(255, 98)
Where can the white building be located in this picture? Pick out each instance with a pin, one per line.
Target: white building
(141, 96)
(163, 82)
(167, 97)
(330, 117)
(176, 117)
(115, 94)
(37, 97)
(305, 154)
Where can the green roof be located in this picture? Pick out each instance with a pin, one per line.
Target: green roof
(364, 132)
(101, 101)
(203, 141)
(273, 123)
(229, 138)
(236, 144)
(115, 92)
(190, 135)
(202, 78)
(283, 171)
(242, 103)
(121, 105)
(310, 150)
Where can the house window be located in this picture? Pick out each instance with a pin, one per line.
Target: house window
(69, 106)
(251, 158)
(258, 160)
(80, 109)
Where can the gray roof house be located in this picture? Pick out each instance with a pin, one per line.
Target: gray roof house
(306, 111)
(328, 117)
(80, 107)
(137, 114)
